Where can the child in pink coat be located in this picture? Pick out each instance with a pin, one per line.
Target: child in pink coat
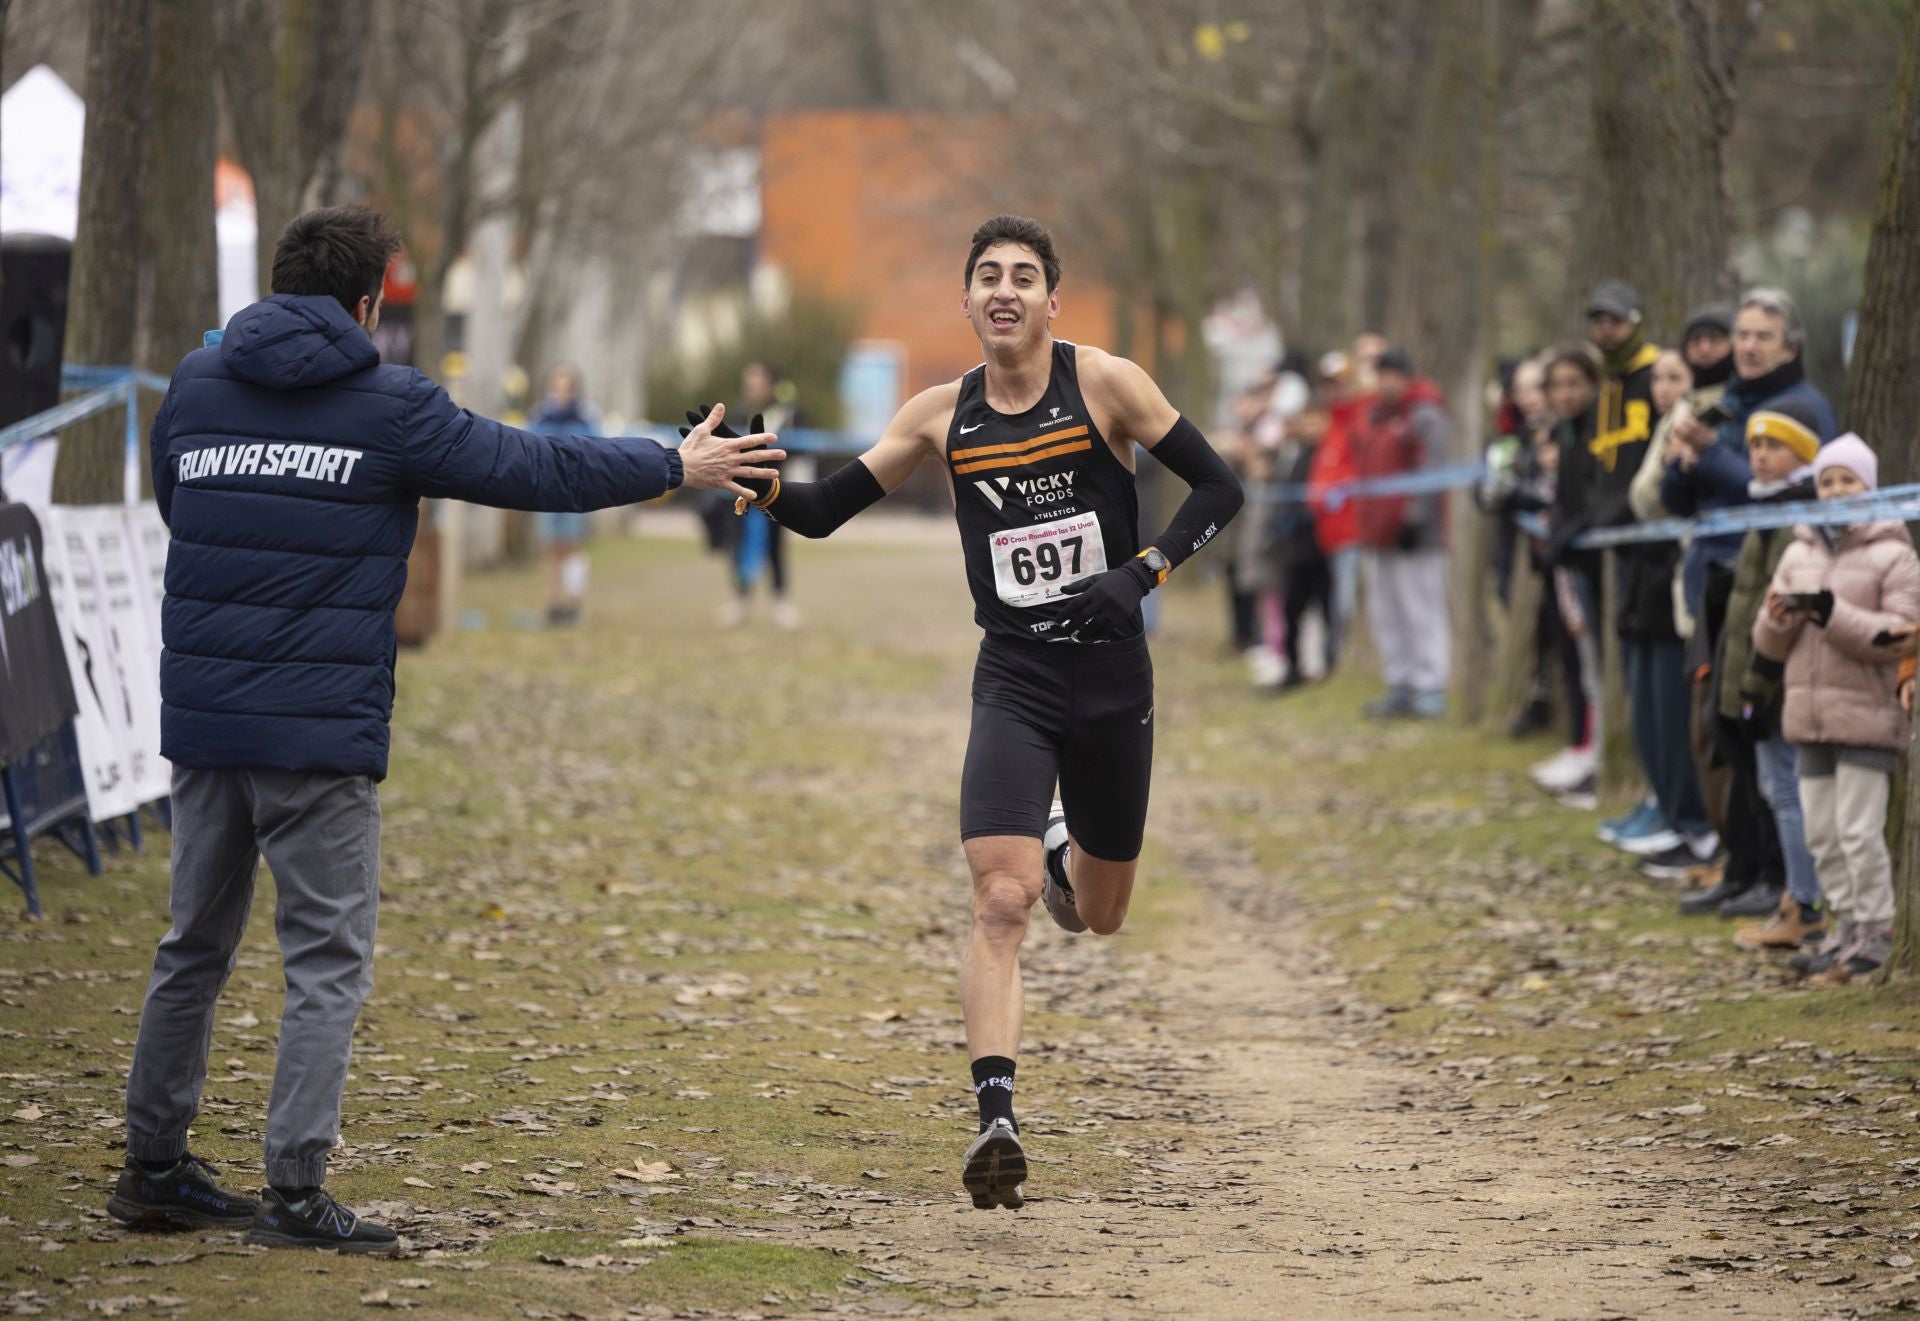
(1832, 626)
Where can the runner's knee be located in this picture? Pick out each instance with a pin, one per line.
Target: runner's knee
(1001, 904)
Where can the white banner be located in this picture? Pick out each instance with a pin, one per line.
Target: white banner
(105, 584)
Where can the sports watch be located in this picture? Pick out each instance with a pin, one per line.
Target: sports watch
(1157, 564)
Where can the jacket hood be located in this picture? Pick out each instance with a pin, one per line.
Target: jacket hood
(293, 341)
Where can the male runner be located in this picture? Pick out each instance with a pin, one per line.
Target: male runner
(1038, 446)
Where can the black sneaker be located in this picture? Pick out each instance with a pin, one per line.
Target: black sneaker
(1709, 901)
(1760, 901)
(995, 1167)
(317, 1221)
(184, 1197)
(1670, 864)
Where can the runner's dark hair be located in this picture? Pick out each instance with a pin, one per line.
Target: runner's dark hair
(338, 250)
(1016, 229)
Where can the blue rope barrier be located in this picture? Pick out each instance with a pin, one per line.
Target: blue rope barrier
(73, 410)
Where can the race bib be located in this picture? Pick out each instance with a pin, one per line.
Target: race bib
(1031, 565)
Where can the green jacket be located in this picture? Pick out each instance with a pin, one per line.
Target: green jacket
(1760, 554)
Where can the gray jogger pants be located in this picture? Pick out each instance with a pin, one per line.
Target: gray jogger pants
(320, 833)
(1407, 608)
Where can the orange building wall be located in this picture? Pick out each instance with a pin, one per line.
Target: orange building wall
(873, 207)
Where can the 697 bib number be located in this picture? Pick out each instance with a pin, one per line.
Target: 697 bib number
(1032, 565)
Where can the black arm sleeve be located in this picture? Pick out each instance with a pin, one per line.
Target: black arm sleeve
(1215, 498)
(815, 509)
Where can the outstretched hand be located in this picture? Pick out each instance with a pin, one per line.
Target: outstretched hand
(1105, 603)
(714, 457)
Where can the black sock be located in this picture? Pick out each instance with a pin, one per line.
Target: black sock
(156, 1166)
(993, 1088)
(294, 1196)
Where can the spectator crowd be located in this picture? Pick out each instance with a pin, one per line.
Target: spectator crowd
(1769, 675)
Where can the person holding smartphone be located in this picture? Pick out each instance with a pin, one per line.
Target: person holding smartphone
(1837, 616)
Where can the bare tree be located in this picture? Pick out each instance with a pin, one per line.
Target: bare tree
(179, 264)
(1883, 396)
(1656, 210)
(1883, 392)
(105, 290)
(291, 69)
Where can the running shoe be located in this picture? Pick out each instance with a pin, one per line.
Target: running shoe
(995, 1167)
(1397, 704)
(1652, 842)
(1674, 864)
(183, 1197)
(1629, 823)
(1566, 768)
(1581, 797)
(317, 1221)
(1056, 892)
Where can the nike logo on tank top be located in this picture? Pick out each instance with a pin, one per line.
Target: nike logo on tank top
(1041, 502)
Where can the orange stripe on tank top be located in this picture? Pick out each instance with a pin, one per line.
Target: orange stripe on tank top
(982, 451)
(1021, 460)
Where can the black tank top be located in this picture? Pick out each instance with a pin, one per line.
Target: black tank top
(1041, 502)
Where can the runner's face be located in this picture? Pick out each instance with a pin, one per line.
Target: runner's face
(1008, 302)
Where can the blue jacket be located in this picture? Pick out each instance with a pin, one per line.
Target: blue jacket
(289, 465)
(1719, 479)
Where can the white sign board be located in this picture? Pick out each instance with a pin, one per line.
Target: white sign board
(103, 566)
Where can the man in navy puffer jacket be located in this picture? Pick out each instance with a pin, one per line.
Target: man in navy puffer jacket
(289, 465)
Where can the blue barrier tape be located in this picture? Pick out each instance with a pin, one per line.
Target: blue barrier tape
(75, 376)
(1898, 503)
(65, 415)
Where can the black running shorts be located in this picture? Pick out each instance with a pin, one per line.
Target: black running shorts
(1080, 715)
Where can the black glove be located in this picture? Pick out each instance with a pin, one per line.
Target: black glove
(1105, 603)
(1756, 716)
(760, 486)
(1412, 536)
(1760, 690)
(1822, 608)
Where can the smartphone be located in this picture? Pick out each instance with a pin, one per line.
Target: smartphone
(1803, 601)
(1713, 415)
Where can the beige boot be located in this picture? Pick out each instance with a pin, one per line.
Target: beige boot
(1792, 922)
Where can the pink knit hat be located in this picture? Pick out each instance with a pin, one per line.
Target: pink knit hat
(1849, 452)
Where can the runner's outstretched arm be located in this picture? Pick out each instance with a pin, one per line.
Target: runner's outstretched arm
(1108, 599)
(816, 509)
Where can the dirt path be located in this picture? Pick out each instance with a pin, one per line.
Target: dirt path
(1318, 1181)
(1319, 1176)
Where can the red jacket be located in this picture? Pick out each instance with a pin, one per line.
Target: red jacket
(1391, 439)
(1336, 529)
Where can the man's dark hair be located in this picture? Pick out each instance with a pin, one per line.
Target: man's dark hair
(340, 251)
(1016, 229)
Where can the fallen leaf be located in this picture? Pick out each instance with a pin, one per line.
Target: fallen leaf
(413, 1182)
(28, 1113)
(658, 1171)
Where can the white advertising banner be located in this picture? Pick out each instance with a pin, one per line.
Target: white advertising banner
(133, 643)
(105, 592)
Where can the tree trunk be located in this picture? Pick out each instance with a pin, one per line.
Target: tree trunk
(1656, 211)
(1883, 400)
(1883, 392)
(1440, 301)
(105, 291)
(291, 69)
(1327, 128)
(179, 262)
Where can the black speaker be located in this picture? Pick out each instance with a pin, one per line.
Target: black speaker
(33, 322)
